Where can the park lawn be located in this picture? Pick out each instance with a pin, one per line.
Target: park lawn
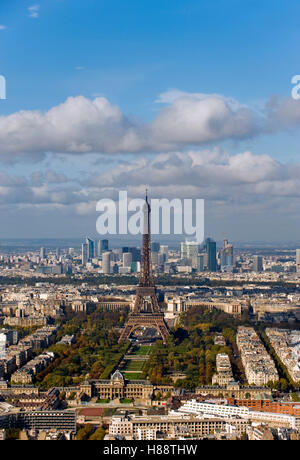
(126, 401)
(142, 350)
(133, 376)
(134, 366)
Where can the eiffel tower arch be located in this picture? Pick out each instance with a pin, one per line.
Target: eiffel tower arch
(146, 311)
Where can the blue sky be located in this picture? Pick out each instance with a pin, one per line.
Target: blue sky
(131, 53)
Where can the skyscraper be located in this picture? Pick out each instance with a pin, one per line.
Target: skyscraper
(154, 258)
(106, 262)
(91, 248)
(127, 259)
(257, 263)
(115, 269)
(102, 246)
(209, 246)
(226, 256)
(161, 259)
(42, 253)
(200, 262)
(84, 253)
(164, 249)
(135, 253)
(298, 260)
(189, 252)
(155, 247)
(135, 267)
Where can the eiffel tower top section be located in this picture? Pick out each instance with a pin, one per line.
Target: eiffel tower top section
(146, 278)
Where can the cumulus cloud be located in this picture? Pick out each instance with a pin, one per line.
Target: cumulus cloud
(241, 187)
(211, 174)
(51, 177)
(80, 125)
(200, 118)
(283, 113)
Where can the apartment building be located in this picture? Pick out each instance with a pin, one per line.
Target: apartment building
(16, 356)
(40, 420)
(227, 411)
(26, 374)
(171, 426)
(258, 364)
(224, 373)
(286, 344)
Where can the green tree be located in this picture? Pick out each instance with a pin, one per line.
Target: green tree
(99, 434)
(83, 434)
(295, 397)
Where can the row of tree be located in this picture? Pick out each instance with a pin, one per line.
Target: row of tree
(94, 354)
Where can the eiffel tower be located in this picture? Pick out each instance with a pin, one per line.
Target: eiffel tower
(146, 311)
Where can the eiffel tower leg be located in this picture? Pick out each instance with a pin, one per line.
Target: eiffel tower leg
(162, 329)
(156, 321)
(125, 333)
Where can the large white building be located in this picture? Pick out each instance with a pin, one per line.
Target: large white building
(223, 410)
(178, 304)
(175, 425)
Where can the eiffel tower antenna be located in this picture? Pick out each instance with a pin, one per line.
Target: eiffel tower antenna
(146, 311)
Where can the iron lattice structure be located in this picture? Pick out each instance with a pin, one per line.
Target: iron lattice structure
(146, 311)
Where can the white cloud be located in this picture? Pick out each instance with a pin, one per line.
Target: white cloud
(2, 27)
(34, 11)
(240, 190)
(201, 118)
(80, 125)
(283, 113)
(211, 174)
